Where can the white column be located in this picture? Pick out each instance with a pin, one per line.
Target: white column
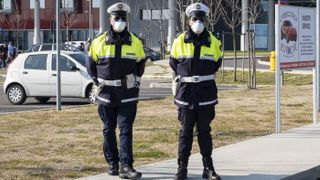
(244, 25)
(172, 23)
(36, 37)
(103, 16)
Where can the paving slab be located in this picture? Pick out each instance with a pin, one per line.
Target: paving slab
(274, 156)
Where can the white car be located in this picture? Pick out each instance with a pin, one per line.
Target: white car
(34, 75)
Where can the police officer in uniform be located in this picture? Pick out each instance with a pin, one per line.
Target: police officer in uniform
(116, 64)
(195, 58)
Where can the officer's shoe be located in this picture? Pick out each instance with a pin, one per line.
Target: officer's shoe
(127, 172)
(208, 170)
(182, 170)
(113, 169)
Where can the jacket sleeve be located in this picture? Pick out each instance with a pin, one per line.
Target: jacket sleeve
(141, 60)
(173, 57)
(218, 56)
(91, 62)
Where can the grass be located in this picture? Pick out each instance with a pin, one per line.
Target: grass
(68, 144)
(239, 53)
(263, 78)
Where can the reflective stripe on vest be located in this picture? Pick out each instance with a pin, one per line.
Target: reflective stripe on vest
(180, 49)
(99, 49)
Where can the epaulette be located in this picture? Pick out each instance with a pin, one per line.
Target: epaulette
(100, 34)
(135, 35)
(216, 34)
(179, 34)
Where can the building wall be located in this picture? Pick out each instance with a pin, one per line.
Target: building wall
(80, 22)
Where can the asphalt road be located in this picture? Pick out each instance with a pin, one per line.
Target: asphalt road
(31, 104)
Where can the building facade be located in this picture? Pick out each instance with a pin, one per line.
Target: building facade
(17, 21)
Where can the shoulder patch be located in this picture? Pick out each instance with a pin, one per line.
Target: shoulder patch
(179, 34)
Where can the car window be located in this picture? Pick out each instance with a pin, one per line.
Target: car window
(46, 47)
(81, 58)
(38, 61)
(65, 63)
(146, 49)
(36, 48)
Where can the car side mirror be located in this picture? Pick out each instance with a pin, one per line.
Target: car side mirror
(74, 68)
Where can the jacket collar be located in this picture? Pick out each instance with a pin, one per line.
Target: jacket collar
(202, 39)
(113, 37)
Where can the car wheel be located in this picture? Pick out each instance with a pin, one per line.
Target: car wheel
(149, 59)
(42, 99)
(91, 96)
(16, 95)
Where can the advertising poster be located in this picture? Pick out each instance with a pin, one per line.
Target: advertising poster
(296, 37)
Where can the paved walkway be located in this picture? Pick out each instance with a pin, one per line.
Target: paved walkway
(274, 156)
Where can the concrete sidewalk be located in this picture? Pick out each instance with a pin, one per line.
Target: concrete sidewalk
(274, 156)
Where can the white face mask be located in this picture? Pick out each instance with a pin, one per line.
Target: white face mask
(119, 26)
(197, 27)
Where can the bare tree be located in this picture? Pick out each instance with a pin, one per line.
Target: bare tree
(135, 10)
(181, 8)
(16, 21)
(231, 14)
(69, 16)
(255, 10)
(215, 12)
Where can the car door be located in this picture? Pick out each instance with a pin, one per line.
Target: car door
(34, 75)
(70, 79)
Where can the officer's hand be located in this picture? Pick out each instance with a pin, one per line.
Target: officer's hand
(95, 81)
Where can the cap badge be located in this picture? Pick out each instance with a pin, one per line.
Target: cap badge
(198, 6)
(120, 6)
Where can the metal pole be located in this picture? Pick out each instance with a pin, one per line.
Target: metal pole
(58, 85)
(90, 20)
(271, 27)
(316, 74)
(172, 23)
(103, 16)
(36, 38)
(277, 87)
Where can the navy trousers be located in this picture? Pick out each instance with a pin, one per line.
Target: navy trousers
(201, 118)
(123, 116)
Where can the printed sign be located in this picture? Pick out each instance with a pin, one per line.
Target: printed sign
(295, 36)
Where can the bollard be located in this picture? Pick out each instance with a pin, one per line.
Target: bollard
(273, 61)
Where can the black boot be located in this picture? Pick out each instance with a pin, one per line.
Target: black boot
(182, 169)
(127, 172)
(113, 169)
(208, 170)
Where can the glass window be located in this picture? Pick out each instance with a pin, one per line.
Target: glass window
(42, 4)
(81, 58)
(6, 4)
(64, 63)
(96, 3)
(67, 4)
(38, 61)
(46, 47)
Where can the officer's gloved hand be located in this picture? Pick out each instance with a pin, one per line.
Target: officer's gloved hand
(95, 81)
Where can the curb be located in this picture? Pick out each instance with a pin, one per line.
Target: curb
(313, 173)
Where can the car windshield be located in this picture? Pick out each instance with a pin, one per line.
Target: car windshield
(81, 58)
